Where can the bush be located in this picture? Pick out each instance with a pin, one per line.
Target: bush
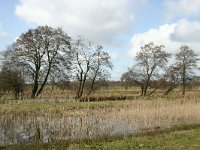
(11, 80)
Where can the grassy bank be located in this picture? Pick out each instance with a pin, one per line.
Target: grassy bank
(179, 138)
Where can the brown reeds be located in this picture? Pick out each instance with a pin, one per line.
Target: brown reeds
(46, 122)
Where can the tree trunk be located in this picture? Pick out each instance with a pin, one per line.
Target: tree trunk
(93, 80)
(83, 84)
(35, 87)
(142, 90)
(170, 89)
(154, 90)
(78, 95)
(146, 87)
(45, 81)
(183, 82)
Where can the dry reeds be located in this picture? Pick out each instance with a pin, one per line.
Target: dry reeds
(45, 122)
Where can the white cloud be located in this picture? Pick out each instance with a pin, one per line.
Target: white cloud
(180, 8)
(98, 20)
(186, 31)
(170, 35)
(113, 55)
(158, 36)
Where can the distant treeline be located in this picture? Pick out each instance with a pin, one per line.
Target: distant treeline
(47, 55)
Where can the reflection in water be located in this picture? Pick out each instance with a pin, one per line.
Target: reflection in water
(15, 129)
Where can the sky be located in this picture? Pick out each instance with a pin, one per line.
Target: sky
(121, 26)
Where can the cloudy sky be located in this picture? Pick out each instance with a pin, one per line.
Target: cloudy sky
(121, 26)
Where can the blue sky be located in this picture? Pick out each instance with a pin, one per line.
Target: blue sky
(121, 26)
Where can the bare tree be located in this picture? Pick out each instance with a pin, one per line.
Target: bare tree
(39, 52)
(149, 60)
(186, 60)
(100, 66)
(172, 76)
(90, 63)
(82, 60)
(134, 77)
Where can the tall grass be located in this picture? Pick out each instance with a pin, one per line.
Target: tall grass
(156, 114)
(30, 121)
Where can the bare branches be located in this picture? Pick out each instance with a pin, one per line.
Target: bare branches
(90, 63)
(39, 53)
(149, 60)
(186, 61)
(151, 67)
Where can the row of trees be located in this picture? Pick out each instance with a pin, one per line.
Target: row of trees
(151, 65)
(47, 54)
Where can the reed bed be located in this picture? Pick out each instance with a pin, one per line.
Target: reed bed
(28, 122)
